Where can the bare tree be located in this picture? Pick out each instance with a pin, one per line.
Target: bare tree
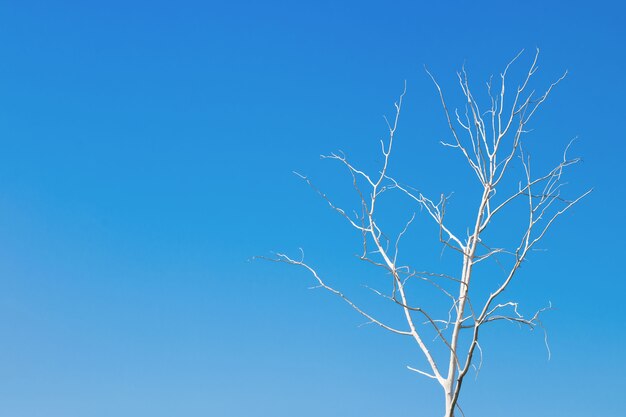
(490, 141)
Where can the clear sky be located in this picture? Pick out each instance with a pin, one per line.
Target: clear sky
(146, 150)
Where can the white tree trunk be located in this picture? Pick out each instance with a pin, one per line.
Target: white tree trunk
(448, 391)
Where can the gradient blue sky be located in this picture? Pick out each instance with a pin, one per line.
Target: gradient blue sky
(146, 151)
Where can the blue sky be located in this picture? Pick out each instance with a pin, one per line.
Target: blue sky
(146, 151)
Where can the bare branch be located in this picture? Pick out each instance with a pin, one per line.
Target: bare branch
(286, 259)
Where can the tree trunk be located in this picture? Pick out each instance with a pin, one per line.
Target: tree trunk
(449, 406)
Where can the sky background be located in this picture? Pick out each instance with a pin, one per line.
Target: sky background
(146, 154)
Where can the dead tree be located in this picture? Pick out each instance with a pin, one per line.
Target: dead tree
(490, 142)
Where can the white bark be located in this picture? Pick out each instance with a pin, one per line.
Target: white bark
(489, 141)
